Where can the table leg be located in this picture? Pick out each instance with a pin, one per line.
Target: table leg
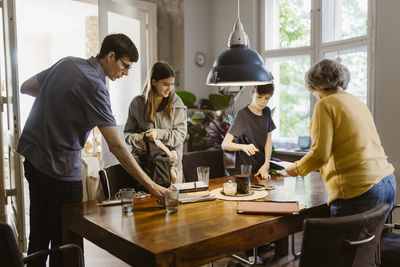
(282, 247)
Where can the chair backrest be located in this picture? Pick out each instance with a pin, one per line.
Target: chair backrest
(212, 158)
(116, 177)
(9, 251)
(343, 241)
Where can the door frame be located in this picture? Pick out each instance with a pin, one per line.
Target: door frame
(16, 209)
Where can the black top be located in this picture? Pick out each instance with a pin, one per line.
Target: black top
(250, 128)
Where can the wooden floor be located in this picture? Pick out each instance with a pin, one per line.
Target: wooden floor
(97, 257)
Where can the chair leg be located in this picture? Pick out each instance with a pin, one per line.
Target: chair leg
(251, 263)
(378, 254)
(295, 254)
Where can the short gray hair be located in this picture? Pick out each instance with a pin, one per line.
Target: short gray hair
(327, 74)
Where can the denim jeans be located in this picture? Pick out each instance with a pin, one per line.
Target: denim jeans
(382, 192)
(47, 195)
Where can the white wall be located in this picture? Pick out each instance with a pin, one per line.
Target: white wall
(208, 24)
(197, 39)
(387, 85)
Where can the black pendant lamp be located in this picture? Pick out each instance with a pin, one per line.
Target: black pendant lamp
(238, 65)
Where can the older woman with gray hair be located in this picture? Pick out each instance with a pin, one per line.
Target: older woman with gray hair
(345, 145)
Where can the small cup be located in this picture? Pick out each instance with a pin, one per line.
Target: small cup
(230, 188)
(243, 183)
(127, 196)
(171, 199)
(245, 169)
(203, 174)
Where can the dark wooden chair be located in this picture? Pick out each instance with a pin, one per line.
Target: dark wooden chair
(116, 177)
(348, 241)
(389, 246)
(10, 256)
(212, 158)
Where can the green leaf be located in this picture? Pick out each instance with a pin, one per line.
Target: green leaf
(188, 98)
(198, 117)
(219, 102)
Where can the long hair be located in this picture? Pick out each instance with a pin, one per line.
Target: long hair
(159, 71)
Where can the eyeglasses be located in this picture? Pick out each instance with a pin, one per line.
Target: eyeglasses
(126, 65)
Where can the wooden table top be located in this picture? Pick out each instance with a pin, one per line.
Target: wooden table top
(199, 232)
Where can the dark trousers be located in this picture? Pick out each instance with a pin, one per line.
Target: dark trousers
(47, 195)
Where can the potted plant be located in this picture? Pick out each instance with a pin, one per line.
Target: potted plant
(208, 126)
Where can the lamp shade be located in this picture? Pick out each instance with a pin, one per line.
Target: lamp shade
(238, 66)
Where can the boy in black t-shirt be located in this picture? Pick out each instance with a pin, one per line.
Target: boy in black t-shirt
(252, 127)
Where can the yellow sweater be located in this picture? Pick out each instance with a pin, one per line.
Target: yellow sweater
(345, 147)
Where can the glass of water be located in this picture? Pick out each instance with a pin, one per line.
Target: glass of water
(203, 174)
(171, 199)
(245, 169)
(127, 196)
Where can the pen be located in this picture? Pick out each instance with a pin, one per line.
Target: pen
(278, 201)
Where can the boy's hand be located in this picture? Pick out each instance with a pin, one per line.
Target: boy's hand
(263, 171)
(250, 149)
(291, 170)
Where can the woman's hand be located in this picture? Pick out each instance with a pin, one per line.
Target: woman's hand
(291, 170)
(250, 149)
(263, 171)
(151, 134)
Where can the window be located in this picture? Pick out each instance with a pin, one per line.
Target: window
(297, 33)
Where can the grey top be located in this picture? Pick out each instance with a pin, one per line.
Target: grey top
(73, 99)
(170, 130)
(250, 128)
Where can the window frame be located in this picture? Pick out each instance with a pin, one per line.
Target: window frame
(317, 49)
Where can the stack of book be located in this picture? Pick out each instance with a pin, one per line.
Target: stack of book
(193, 192)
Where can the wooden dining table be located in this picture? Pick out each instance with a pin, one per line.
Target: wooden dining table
(198, 233)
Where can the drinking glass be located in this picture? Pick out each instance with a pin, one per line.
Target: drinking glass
(171, 199)
(203, 174)
(127, 196)
(245, 169)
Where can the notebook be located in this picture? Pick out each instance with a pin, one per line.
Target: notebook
(191, 187)
(268, 207)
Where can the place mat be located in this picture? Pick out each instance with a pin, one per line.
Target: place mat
(256, 195)
(251, 192)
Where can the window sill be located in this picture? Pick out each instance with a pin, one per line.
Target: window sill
(291, 152)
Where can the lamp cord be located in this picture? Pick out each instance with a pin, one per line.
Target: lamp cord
(238, 1)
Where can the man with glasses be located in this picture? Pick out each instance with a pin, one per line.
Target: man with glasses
(71, 99)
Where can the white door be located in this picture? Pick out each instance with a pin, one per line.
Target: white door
(137, 20)
(11, 169)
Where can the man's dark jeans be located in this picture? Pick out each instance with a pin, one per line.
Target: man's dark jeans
(47, 195)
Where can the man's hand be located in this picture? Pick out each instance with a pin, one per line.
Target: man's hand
(250, 149)
(151, 134)
(263, 171)
(158, 191)
(291, 170)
